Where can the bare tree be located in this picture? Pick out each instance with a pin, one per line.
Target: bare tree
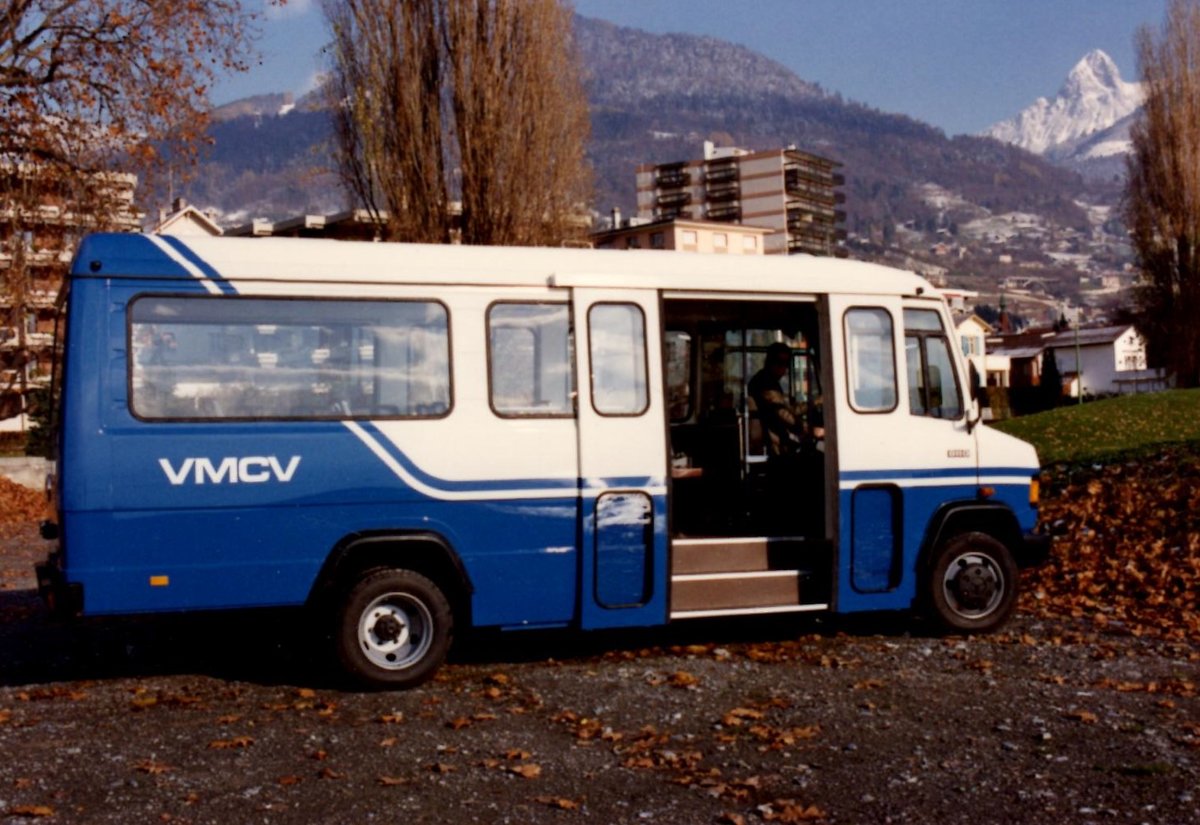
(1162, 206)
(475, 101)
(387, 89)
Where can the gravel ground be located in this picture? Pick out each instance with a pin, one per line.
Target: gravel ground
(235, 719)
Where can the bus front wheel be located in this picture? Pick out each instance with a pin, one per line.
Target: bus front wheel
(972, 584)
(394, 628)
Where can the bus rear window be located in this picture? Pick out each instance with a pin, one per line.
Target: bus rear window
(202, 358)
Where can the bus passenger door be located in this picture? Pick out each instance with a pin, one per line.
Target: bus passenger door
(622, 459)
(903, 447)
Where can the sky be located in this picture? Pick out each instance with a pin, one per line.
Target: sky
(960, 65)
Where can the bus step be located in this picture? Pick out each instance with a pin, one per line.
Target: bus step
(731, 555)
(740, 590)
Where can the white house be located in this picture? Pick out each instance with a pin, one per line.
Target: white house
(1104, 360)
(185, 220)
(973, 331)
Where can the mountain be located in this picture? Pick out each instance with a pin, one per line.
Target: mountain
(1077, 123)
(657, 98)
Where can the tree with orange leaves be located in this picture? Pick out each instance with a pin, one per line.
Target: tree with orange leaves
(90, 91)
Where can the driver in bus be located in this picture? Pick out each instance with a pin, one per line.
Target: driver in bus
(785, 423)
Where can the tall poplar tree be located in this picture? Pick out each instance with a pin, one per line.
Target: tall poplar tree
(477, 103)
(1162, 206)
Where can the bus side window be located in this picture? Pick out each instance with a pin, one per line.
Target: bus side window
(223, 358)
(530, 357)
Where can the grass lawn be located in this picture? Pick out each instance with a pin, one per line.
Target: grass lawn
(1100, 430)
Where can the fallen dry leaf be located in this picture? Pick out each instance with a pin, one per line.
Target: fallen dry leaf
(682, 679)
(32, 811)
(558, 802)
(237, 742)
(788, 810)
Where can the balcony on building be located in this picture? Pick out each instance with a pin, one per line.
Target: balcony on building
(725, 212)
(673, 200)
(723, 192)
(672, 176)
(673, 214)
(723, 171)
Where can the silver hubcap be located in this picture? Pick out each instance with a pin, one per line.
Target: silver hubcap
(395, 631)
(973, 585)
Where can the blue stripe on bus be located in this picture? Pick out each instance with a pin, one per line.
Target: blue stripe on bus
(496, 485)
(946, 473)
(204, 266)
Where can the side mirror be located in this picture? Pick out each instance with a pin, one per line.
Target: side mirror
(976, 412)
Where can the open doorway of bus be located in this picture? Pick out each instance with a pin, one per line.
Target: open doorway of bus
(748, 463)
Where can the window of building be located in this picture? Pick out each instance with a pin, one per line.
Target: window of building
(530, 359)
(750, 243)
(249, 358)
(870, 359)
(690, 240)
(617, 335)
(720, 241)
(657, 240)
(932, 382)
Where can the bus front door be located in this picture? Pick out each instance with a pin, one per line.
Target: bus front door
(903, 444)
(622, 459)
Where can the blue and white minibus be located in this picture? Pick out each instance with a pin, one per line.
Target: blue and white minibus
(414, 440)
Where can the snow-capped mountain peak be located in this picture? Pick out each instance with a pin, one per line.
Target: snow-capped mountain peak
(1092, 98)
(1095, 74)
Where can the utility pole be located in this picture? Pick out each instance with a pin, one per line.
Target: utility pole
(1078, 371)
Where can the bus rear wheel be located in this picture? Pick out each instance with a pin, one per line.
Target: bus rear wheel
(394, 628)
(972, 584)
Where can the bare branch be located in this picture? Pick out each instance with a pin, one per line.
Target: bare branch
(477, 101)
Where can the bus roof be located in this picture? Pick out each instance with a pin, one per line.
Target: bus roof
(227, 261)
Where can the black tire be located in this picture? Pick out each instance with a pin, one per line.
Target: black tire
(393, 629)
(972, 584)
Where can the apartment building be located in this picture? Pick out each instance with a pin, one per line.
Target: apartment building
(40, 226)
(792, 193)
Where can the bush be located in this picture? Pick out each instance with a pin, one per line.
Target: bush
(39, 440)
